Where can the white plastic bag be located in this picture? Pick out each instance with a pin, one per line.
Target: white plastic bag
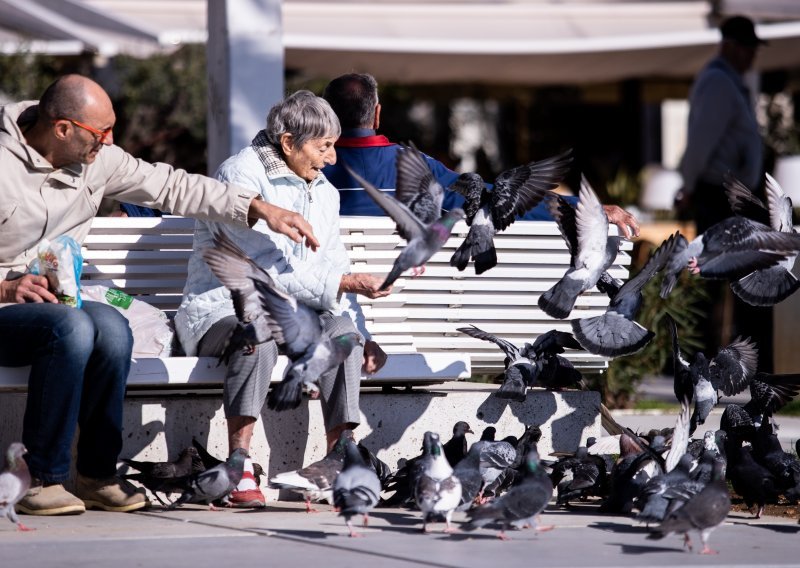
(152, 333)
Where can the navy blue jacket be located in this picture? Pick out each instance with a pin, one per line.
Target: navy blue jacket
(373, 157)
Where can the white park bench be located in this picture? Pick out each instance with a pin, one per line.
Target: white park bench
(416, 325)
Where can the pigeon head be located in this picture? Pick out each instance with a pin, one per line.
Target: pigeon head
(489, 434)
(436, 444)
(461, 428)
(236, 459)
(427, 443)
(345, 343)
(351, 454)
(14, 455)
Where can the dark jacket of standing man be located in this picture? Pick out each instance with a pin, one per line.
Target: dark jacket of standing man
(723, 134)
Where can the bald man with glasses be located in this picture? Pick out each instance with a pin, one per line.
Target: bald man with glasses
(59, 161)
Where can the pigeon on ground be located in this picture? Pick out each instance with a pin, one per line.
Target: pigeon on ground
(15, 480)
(592, 250)
(468, 472)
(768, 286)
(579, 476)
(456, 447)
(295, 327)
(496, 458)
(166, 477)
(785, 467)
(730, 372)
(520, 506)
(637, 464)
(315, 481)
(749, 479)
(213, 484)
(438, 491)
(206, 457)
(729, 250)
(237, 272)
(616, 333)
(357, 489)
(423, 240)
(652, 502)
(515, 192)
(377, 465)
(703, 513)
(404, 481)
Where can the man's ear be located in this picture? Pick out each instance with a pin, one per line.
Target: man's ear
(61, 129)
(377, 122)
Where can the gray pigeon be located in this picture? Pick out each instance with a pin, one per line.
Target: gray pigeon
(768, 286)
(592, 250)
(616, 333)
(213, 484)
(315, 481)
(703, 513)
(438, 491)
(520, 506)
(356, 489)
(237, 272)
(166, 477)
(423, 240)
(515, 192)
(729, 250)
(296, 328)
(15, 480)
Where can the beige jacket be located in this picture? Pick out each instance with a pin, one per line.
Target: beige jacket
(38, 201)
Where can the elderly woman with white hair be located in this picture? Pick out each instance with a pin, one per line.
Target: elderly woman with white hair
(283, 163)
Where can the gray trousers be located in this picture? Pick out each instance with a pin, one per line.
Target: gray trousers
(248, 376)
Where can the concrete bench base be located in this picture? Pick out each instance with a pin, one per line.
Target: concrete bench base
(393, 423)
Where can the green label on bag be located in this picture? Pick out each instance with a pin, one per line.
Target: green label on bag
(119, 299)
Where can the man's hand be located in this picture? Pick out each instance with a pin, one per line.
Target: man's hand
(364, 284)
(28, 288)
(374, 358)
(283, 221)
(626, 222)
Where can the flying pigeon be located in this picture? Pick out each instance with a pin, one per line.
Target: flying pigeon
(423, 240)
(295, 327)
(213, 484)
(592, 250)
(616, 333)
(704, 512)
(518, 507)
(729, 250)
(237, 273)
(767, 286)
(15, 480)
(730, 372)
(315, 481)
(357, 489)
(438, 491)
(456, 447)
(515, 192)
(416, 188)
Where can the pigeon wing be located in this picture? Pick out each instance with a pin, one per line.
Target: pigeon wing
(733, 367)
(519, 189)
(408, 225)
(743, 202)
(416, 186)
(294, 325)
(780, 207)
(511, 350)
(565, 217)
(592, 225)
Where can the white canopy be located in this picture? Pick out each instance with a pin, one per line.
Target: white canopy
(480, 41)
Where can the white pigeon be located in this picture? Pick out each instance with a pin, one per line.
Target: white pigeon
(438, 491)
(15, 480)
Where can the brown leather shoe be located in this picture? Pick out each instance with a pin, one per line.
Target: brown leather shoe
(50, 500)
(110, 494)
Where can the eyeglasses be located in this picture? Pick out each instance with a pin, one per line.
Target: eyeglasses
(101, 134)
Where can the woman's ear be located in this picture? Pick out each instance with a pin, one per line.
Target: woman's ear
(287, 144)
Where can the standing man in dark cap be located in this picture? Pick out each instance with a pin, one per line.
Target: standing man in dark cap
(723, 137)
(723, 133)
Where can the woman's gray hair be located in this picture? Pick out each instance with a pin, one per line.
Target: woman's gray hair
(305, 116)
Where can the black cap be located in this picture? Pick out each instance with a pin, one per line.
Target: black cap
(741, 30)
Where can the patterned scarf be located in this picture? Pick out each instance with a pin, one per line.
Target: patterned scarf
(274, 164)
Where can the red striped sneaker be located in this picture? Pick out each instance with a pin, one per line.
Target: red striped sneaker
(249, 498)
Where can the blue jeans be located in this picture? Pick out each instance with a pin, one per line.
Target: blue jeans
(79, 360)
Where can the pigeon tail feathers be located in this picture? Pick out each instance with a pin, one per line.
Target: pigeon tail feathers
(610, 335)
(286, 395)
(766, 287)
(559, 300)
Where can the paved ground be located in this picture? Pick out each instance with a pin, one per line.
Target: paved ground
(284, 535)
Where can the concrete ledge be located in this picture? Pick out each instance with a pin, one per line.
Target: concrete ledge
(393, 423)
